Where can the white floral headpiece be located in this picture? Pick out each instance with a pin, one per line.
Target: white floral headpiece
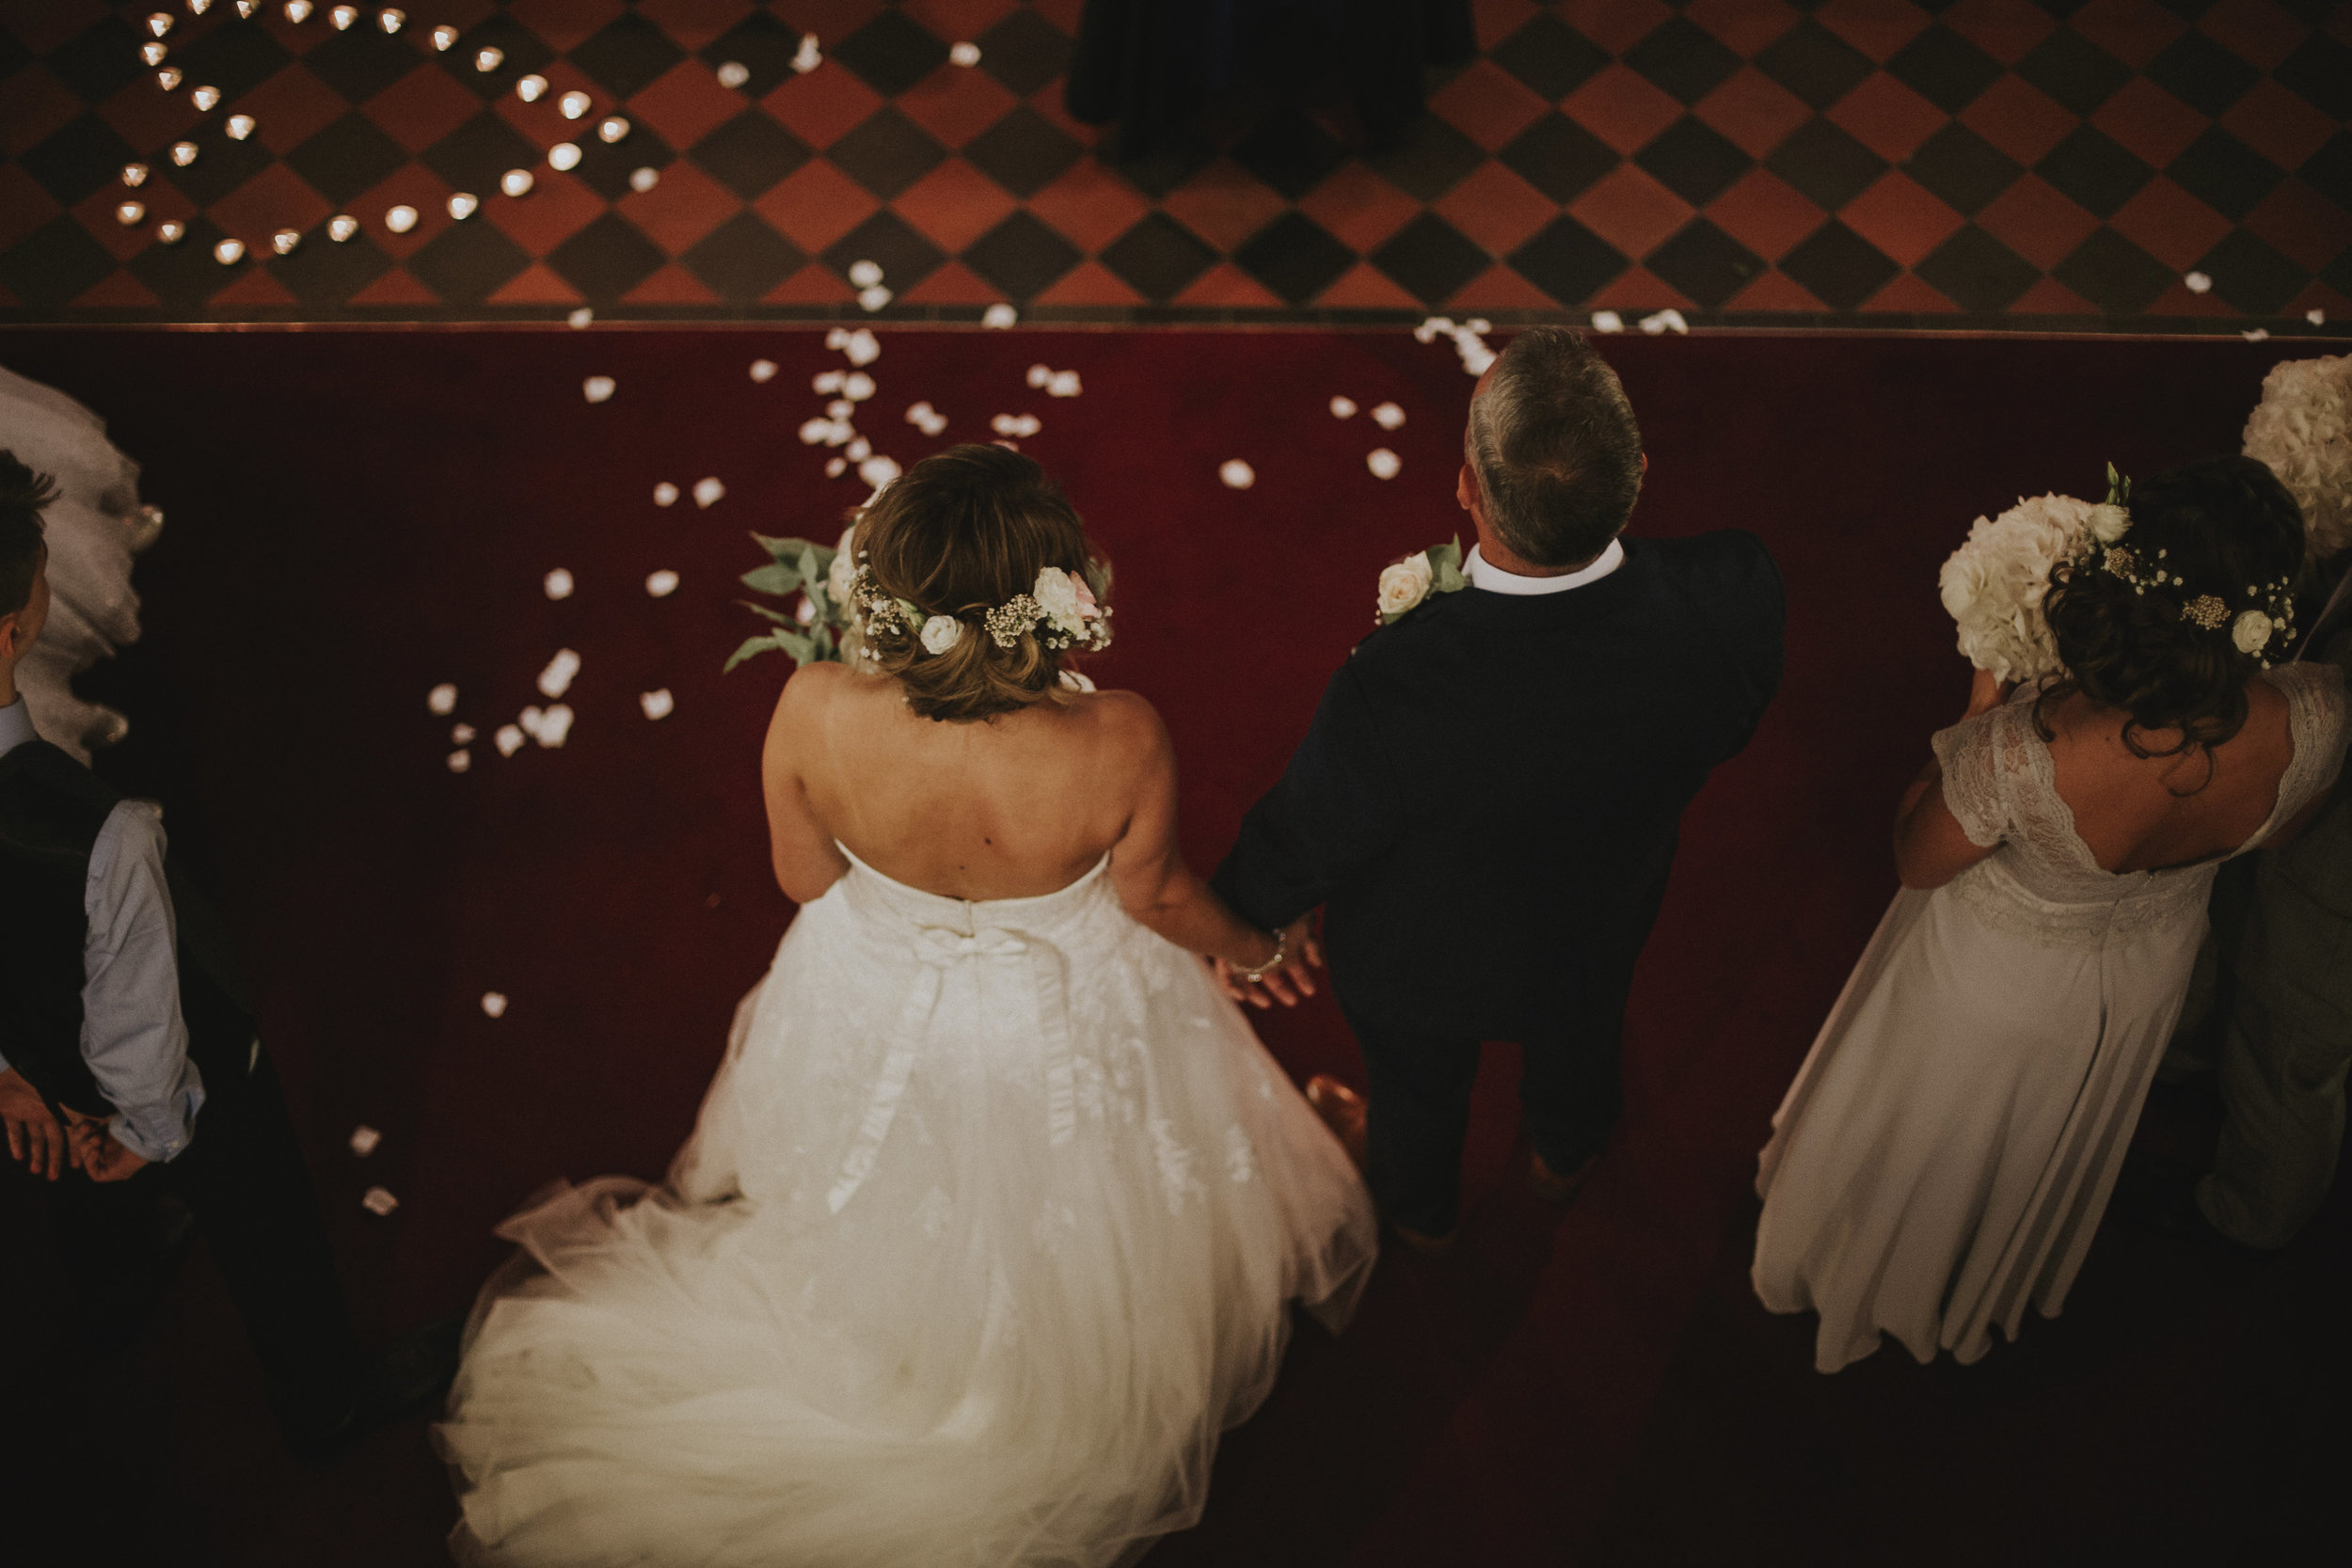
(1060, 608)
(2270, 611)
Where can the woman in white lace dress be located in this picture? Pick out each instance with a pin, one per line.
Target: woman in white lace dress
(1944, 1157)
(994, 1211)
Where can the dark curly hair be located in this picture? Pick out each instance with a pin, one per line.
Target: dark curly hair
(24, 495)
(2223, 527)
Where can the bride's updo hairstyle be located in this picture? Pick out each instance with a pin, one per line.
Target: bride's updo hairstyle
(2223, 528)
(964, 532)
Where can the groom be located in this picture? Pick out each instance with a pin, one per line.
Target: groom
(1488, 801)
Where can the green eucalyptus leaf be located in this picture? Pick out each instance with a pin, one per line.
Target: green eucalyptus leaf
(773, 578)
(752, 648)
(776, 615)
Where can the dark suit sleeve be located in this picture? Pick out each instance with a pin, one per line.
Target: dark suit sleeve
(1335, 809)
(1746, 611)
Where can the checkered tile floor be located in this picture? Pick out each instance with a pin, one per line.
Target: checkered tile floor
(1987, 162)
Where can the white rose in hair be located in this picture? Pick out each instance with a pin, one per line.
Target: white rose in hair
(2110, 522)
(941, 633)
(844, 568)
(1994, 584)
(1055, 595)
(1404, 584)
(2302, 430)
(2252, 632)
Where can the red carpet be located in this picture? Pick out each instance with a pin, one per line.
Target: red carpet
(354, 517)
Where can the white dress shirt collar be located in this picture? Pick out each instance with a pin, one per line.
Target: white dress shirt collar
(16, 726)
(1494, 580)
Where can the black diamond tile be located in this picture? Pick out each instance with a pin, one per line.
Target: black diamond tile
(1568, 261)
(54, 263)
(2329, 172)
(1430, 259)
(80, 156)
(1961, 168)
(466, 262)
(101, 60)
(233, 58)
(2321, 70)
(322, 274)
(1427, 158)
(1295, 257)
(749, 153)
(1172, 159)
(2338, 275)
(2095, 172)
(605, 167)
(1693, 159)
(2251, 275)
(1977, 272)
(184, 274)
(1683, 58)
(1945, 68)
(606, 258)
(350, 156)
(886, 154)
(1158, 257)
(1814, 63)
(2073, 71)
(14, 56)
(362, 62)
(1549, 56)
(627, 55)
(2115, 275)
(1559, 157)
(220, 167)
(742, 258)
(761, 45)
(1022, 256)
(1025, 52)
(1290, 153)
(2224, 173)
(1025, 152)
(474, 157)
(2202, 73)
(892, 53)
(1838, 267)
(1705, 263)
(905, 257)
(524, 50)
(1825, 164)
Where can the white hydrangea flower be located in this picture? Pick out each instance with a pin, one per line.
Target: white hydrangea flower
(1994, 584)
(2302, 430)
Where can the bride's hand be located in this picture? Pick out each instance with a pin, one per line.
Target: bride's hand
(1287, 984)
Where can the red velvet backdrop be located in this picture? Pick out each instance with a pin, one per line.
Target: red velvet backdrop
(357, 517)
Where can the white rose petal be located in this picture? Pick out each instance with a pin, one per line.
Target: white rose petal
(460, 760)
(558, 584)
(517, 182)
(1063, 384)
(2252, 632)
(572, 104)
(661, 584)
(707, 491)
(580, 317)
(859, 450)
(463, 205)
(999, 316)
(1404, 584)
(861, 347)
(1669, 320)
(508, 739)
(531, 88)
(1383, 462)
(733, 73)
(1058, 598)
(377, 1201)
(873, 298)
(494, 1004)
(564, 156)
(965, 53)
(598, 388)
(1236, 474)
(1433, 327)
(553, 726)
(643, 180)
(813, 431)
(2316, 316)
(880, 472)
(829, 383)
(809, 56)
(1388, 415)
(2256, 335)
(2198, 282)
(365, 1140)
(865, 275)
(835, 468)
(561, 672)
(857, 387)
(1343, 409)
(665, 493)
(461, 735)
(657, 705)
(763, 370)
(941, 633)
(1608, 320)
(1040, 375)
(441, 700)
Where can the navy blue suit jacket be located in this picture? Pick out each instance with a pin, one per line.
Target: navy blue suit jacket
(1488, 800)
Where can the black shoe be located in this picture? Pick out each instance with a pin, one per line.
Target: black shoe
(402, 1379)
(2160, 1196)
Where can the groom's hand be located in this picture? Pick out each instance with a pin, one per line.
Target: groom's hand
(1294, 979)
(34, 1136)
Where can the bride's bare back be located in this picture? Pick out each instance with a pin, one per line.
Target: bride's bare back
(2152, 813)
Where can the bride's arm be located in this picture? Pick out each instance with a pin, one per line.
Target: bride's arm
(806, 858)
(1930, 847)
(1154, 884)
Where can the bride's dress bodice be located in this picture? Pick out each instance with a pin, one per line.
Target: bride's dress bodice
(2041, 880)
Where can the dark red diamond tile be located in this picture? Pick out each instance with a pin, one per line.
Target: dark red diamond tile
(692, 23)
(2169, 223)
(1777, 292)
(1765, 212)
(1090, 283)
(2033, 219)
(422, 107)
(1877, 28)
(1495, 208)
(557, 207)
(1226, 286)
(1225, 204)
(43, 26)
(1360, 209)
(1488, 104)
(565, 24)
(815, 205)
(1753, 111)
(2149, 122)
(273, 199)
(143, 114)
(955, 104)
(954, 205)
(1637, 289)
(1900, 217)
(1887, 117)
(1745, 25)
(1631, 211)
(411, 185)
(2005, 29)
(1621, 109)
(2280, 125)
(1909, 295)
(289, 108)
(1616, 26)
(685, 104)
(35, 106)
(1496, 20)
(2303, 225)
(953, 284)
(536, 284)
(1091, 205)
(671, 284)
(2019, 119)
(2257, 31)
(681, 208)
(824, 105)
(1501, 287)
(2134, 31)
(1365, 287)
(2050, 298)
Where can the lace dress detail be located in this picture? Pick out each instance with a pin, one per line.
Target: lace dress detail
(1942, 1159)
(988, 1227)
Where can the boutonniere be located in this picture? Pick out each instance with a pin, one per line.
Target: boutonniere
(1406, 582)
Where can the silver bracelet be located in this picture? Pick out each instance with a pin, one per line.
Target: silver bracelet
(1281, 951)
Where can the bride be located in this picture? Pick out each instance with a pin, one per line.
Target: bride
(1944, 1157)
(993, 1215)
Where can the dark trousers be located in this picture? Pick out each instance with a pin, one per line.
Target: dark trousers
(243, 1179)
(1570, 1092)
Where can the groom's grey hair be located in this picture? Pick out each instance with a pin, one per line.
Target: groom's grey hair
(1555, 448)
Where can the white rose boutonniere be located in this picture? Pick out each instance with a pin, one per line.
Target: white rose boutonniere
(1405, 584)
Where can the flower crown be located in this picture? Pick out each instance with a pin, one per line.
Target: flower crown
(1060, 608)
(2270, 608)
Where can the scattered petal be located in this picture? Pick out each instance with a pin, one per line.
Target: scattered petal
(1237, 474)
(229, 252)
(813, 430)
(508, 739)
(597, 388)
(763, 370)
(135, 175)
(707, 491)
(171, 231)
(878, 471)
(169, 77)
(1608, 320)
(965, 54)
(2198, 282)
(285, 240)
(865, 275)
(1668, 320)
(488, 60)
(463, 204)
(159, 23)
(1343, 409)
(376, 1201)
(733, 73)
(1383, 462)
(1021, 425)
(558, 583)
(460, 760)
(666, 493)
(572, 105)
(1433, 327)
(532, 87)
(829, 382)
(1063, 384)
(205, 99)
(874, 298)
(461, 735)
(444, 38)
(342, 17)
(580, 317)
(1040, 375)
(342, 226)
(857, 387)
(1388, 415)
(656, 703)
(859, 450)
(551, 726)
(644, 179)
(835, 468)
(493, 1003)
(129, 212)
(661, 584)
(517, 182)
(365, 1140)
(861, 347)
(999, 316)
(564, 156)
(2316, 316)
(558, 677)
(183, 153)
(391, 21)
(401, 219)
(810, 57)
(442, 700)
(2256, 335)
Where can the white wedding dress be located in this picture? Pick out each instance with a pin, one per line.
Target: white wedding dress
(1946, 1150)
(989, 1227)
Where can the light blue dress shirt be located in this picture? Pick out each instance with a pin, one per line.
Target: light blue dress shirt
(132, 1036)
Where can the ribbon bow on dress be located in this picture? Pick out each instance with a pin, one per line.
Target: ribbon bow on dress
(1031, 974)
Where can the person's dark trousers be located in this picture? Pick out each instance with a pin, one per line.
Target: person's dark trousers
(244, 1179)
(1419, 1085)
